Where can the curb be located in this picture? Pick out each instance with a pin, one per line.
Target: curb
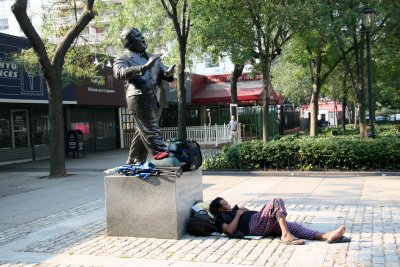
(300, 173)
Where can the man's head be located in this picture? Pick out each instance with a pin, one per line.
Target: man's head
(133, 40)
(219, 205)
(233, 118)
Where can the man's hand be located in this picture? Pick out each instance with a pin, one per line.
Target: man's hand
(170, 72)
(240, 211)
(150, 62)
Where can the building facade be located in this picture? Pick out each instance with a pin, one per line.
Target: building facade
(329, 113)
(24, 118)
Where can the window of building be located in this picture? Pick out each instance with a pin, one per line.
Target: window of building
(41, 126)
(209, 63)
(3, 7)
(127, 121)
(20, 128)
(105, 129)
(84, 127)
(5, 129)
(3, 24)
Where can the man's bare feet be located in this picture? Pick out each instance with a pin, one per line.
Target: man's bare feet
(290, 239)
(333, 235)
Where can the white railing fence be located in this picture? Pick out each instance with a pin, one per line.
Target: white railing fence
(206, 135)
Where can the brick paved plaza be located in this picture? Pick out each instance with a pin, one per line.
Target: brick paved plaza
(62, 222)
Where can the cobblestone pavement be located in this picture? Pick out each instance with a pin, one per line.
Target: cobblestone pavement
(375, 233)
(61, 222)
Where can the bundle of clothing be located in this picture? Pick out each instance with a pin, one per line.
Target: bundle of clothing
(143, 170)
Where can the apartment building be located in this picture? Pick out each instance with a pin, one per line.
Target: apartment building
(8, 23)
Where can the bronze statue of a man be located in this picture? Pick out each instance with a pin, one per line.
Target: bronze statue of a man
(143, 74)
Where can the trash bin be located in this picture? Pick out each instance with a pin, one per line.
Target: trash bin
(74, 143)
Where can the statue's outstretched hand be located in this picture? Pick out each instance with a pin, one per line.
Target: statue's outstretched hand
(170, 72)
(151, 61)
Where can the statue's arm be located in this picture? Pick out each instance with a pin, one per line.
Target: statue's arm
(167, 74)
(122, 70)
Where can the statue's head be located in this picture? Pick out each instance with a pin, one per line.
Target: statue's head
(133, 40)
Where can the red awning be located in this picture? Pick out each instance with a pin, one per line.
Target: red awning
(219, 92)
(329, 106)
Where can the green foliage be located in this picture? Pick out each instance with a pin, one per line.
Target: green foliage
(291, 79)
(305, 153)
(385, 130)
(388, 130)
(150, 18)
(217, 32)
(78, 63)
(79, 58)
(386, 67)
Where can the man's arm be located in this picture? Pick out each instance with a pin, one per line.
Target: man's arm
(231, 228)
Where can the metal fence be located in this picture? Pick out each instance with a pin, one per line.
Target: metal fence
(204, 135)
(250, 120)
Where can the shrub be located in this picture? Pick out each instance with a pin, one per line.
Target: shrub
(306, 153)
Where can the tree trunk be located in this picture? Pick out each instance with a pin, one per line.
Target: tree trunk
(315, 69)
(265, 120)
(361, 90)
(344, 104)
(181, 91)
(361, 112)
(56, 117)
(344, 107)
(363, 121)
(182, 26)
(237, 72)
(335, 114)
(355, 116)
(362, 117)
(266, 82)
(314, 110)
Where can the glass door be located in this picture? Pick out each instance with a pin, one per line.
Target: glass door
(20, 128)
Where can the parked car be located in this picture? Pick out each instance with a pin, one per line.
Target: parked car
(395, 117)
(380, 119)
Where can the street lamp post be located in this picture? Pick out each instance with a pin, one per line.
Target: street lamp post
(368, 14)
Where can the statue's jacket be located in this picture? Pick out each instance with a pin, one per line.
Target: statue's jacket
(144, 89)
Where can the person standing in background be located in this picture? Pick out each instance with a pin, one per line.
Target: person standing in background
(233, 127)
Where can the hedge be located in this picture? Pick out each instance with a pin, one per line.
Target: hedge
(322, 153)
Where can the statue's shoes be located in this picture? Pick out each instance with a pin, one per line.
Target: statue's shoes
(132, 161)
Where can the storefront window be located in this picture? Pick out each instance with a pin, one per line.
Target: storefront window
(127, 121)
(100, 130)
(41, 126)
(84, 127)
(5, 129)
(105, 129)
(19, 127)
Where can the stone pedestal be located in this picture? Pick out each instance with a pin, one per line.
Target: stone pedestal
(157, 207)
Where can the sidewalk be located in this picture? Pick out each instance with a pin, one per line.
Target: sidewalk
(98, 161)
(61, 222)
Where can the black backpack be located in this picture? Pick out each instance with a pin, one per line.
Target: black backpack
(202, 224)
(186, 151)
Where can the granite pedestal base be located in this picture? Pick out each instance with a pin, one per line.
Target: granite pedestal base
(157, 207)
